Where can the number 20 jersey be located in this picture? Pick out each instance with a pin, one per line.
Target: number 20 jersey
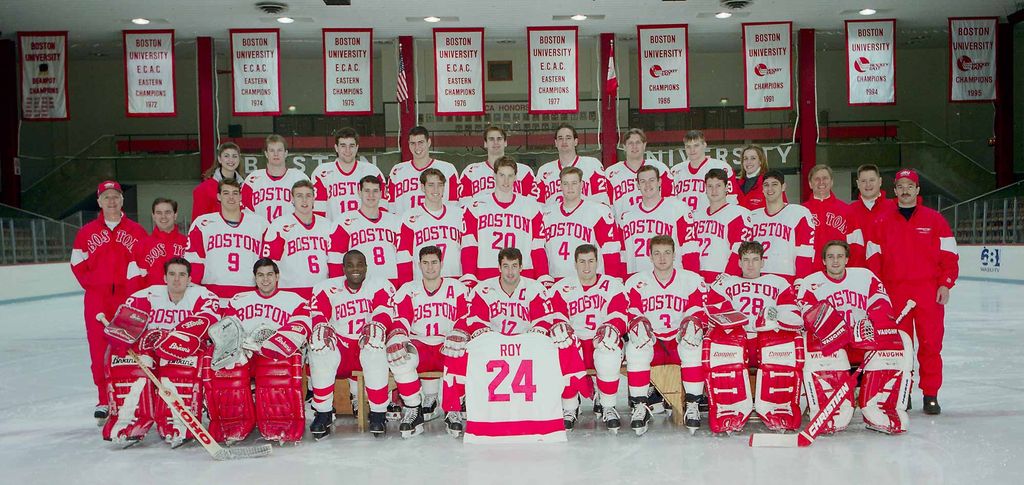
(492, 226)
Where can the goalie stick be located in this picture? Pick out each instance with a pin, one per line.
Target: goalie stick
(193, 424)
(810, 433)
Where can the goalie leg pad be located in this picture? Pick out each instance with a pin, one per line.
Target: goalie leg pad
(607, 363)
(228, 401)
(886, 387)
(131, 399)
(638, 368)
(181, 377)
(374, 364)
(407, 376)
(280, 398)
(724, 363)
(779, 379)
(823, 374)
(324, 360)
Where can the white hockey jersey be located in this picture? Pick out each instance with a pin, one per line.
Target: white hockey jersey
(223, 254)
(337, 191)
(349, 310)
(422, 228)
(669, 217)
(587, 307)
(165, 314)
(666, 304)
(510, 313)
(257, 311)
(595, 183)
(788, 240)
(719, 235)
(853, 295)
(688, 182)
(589, 223)
(404, 191)
(492, 226)
(625, 192)
(270, 197)
(306, 255)
(750, 296)
(479, 177)
(377, 239)
(429, 317)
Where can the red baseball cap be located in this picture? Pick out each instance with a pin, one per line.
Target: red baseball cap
(107, 185)
(908, 173)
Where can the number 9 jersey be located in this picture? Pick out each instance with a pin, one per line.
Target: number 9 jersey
(222, 254)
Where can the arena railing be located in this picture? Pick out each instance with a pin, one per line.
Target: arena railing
(27, 237)
(990, 218)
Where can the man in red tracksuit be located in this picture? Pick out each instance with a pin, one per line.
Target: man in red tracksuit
(833, 219)
(164, 243)
(100, 258)
(915, 254)
(871, 200)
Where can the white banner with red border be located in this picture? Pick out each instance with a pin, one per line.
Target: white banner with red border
(149, 88)
(256, 72)
(972, 59)
(44, 75)
(871, 61)
(768, 65)
(664, 67)
(554, 69)
(348, 71)
(459, 71)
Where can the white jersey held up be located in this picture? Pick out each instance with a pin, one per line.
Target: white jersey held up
(270, 197)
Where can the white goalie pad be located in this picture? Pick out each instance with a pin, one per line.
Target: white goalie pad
(227, 337)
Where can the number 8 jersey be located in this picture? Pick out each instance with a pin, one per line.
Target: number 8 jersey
(222, 254)
(376, 238)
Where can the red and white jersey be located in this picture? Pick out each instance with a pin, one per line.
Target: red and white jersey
(222, 254)
(337, 191)
(719, 235)
(856, 295)
(667, 303)
(421, 228)
(835, 220)
(669, 217)
(305, 254)
(492, 226)
(595, 183)
(376, 238)
(625, 192)
(151, 255)
(198, 302)
(587, 307)
(404, 191)
(512, 313)
(788, 240)
(478, 178)
(430, 316)
(349, 310)
(270, 197)
(589, 223)
(688, 182)
(750, 296)
(275, 311)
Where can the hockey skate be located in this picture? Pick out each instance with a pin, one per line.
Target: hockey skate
(691, 417)
(641, 415)
(101, 413)
(453, 423)
(598, 409)
(412, 421)
(569, 417)
(655, 401)
(610, 417)
(378, 424)
(431, 409)
(394, 412)
(322, 424)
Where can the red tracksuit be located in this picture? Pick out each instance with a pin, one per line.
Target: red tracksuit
(913, 258)
(834, 220)
(864, 217)
(100, 260)
(151, 255)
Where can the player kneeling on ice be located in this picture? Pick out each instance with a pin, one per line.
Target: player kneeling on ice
(666, 326)
(259, 339)
(767, 335)
(350, 316)
(176, 317)
(848, 310)
(427, 311)
(595, 305)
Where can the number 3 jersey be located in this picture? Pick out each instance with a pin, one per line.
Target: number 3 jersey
(376, 238)
(347, 309)
(430, 316)
(667, 303)
(509, 313)
(222, 254)
(587, 307)
(492, 226)
(270, 197)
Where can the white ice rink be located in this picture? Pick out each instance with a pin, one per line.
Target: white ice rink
(47, 434)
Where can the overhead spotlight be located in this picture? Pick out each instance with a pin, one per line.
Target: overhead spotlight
(724, 101)
(432, 19)
(579, 16)
(868, 11)
(291, 108)
(285, 20)
(140, 21)
(723, 15)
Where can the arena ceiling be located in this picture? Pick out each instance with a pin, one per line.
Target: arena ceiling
(95, 25)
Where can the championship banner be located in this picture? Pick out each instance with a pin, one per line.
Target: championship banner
(348, 71)
(554, 69)
(256, 72)
(871, 62)
(459, 72)
(149, 73)
(44, 76)
(768, 65)
(664, 68)
(972, 59)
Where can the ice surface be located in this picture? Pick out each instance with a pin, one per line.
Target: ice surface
(47, 434)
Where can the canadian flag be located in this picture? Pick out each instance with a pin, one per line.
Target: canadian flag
(611, 82)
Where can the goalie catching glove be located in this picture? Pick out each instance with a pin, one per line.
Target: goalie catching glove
(126, 326)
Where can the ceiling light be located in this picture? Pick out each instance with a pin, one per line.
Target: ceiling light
(723, 15)
(724, 100)
(285, 20)
(291, 108)
(140, 21)
(868, 11)
(432, 19)
(579, 16)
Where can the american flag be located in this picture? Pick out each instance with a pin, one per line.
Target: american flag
(403, 87)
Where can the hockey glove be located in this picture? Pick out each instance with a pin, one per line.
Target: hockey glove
(641, 334)
(561, 334)
(373, 336)
(455, 343)
(323, 338)
(178, 345)
(607, 337)
(398, 347)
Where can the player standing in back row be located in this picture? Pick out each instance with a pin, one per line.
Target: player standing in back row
(268, 192)
(595, 183)
(622, 175)
(404, 181)
(479, 177)
(688, 178)
(337, 184)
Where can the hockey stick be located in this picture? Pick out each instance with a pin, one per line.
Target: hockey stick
(193, 424)
(813, 429)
